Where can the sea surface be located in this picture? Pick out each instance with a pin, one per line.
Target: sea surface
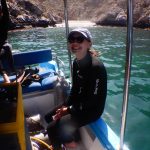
(111, 42)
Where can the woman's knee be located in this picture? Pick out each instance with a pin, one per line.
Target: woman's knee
(69, 132)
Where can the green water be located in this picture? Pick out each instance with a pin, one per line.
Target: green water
(111, 42)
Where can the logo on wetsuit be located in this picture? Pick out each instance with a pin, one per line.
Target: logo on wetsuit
(96, 86)
(79, 74)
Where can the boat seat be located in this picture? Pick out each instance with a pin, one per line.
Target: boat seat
(42, 60)
(48, 73)
(104, 134)
(46, 84)
(32, 57)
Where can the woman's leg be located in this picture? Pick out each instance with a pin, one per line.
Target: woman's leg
(53, 135)
(63, 131)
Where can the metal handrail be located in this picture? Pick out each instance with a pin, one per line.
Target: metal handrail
(59, 61)
(129, 43)
(67, 32)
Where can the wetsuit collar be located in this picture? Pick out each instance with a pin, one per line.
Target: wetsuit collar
(84, 62)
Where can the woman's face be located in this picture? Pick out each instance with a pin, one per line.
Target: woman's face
(78, 45)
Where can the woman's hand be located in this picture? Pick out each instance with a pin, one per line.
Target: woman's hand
(60, 112)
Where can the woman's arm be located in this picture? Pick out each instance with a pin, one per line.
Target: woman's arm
(5, 11)
(96, 96)
(4, 21)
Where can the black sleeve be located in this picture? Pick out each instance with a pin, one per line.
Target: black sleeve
(5, 9)
(97, 92)
(4, 21)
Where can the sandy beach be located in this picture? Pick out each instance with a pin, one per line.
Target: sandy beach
(71, 23)
(76, 23)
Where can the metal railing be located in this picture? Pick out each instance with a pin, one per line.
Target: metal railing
(67, 32)
(129, 43)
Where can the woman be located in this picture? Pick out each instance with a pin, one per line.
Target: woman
(5, 47)
(86, 101)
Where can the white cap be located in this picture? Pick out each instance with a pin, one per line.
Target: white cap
(85, 32)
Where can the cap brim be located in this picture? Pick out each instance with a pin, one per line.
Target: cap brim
(82, 33)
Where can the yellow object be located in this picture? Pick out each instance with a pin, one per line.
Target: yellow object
(49, 147)
(17, 125)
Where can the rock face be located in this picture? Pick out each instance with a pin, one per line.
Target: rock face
(116, 14)
(43, 13)
(26, 13)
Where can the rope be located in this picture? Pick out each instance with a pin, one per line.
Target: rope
(49, 147)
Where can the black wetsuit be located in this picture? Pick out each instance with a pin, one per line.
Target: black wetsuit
(89, 89)
(5, 47)
(86, 100)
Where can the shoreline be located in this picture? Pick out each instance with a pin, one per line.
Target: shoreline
(71, 24)
(77, 23)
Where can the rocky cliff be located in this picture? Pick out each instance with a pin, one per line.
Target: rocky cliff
(103, 12)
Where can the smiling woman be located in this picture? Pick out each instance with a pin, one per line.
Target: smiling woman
(88, 93)
(80, 35)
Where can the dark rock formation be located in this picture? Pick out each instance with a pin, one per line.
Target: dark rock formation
(26, 14)
(116, 14)
(113, 18)
(45, 13)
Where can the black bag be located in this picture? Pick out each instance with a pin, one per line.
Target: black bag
(30, 76)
